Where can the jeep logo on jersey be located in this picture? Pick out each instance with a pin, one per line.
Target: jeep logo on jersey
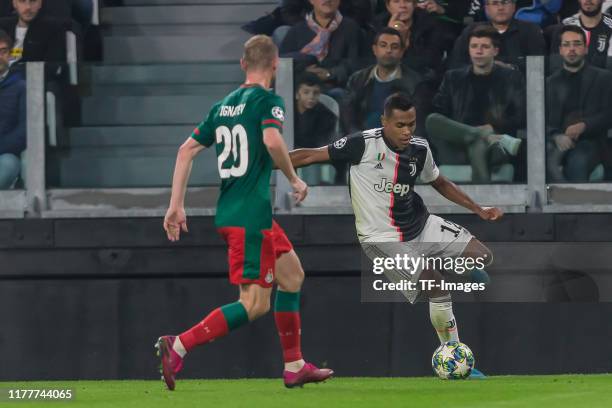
(278, 113)
(340, 143)
(387, 186)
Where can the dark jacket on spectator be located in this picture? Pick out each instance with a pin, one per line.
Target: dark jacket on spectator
(12, 114)
(360, 86)
(315, 127)
(506, 98)
(520, 40)
(426, 41)
(44, 41)
(594, 103)
(344, 46)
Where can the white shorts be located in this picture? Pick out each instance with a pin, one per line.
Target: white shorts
(440, 238)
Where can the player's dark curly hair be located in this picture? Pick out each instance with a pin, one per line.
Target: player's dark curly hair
(398, 101)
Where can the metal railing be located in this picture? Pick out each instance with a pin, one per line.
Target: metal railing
(535, 196)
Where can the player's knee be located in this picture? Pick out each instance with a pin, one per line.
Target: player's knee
(299, 277)
(487, 256)
(258, 308)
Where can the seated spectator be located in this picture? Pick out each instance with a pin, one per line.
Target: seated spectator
(369, 87)
(579, 97)
(315, 125)
(421, 34)
(597, 28)
(325, 43)
(479, 108)
(35, 38)
(12, 116)
(518, 38)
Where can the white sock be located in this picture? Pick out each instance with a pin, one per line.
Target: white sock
(178, 347)
(442, 318)
(294, 366)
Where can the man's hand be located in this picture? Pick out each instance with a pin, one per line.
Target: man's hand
(175, 221)
(563, 142)
(300, 190)
(321, 73)
(488, 127)
(431, 6)
(574, 131)
(397, 22)
(490, 213)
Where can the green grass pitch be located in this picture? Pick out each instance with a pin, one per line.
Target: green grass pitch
(561, 391)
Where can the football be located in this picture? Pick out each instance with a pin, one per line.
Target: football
(453, 361)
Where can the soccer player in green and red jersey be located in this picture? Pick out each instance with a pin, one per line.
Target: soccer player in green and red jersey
(245, 128)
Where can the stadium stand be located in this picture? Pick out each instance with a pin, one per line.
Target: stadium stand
(153, 59)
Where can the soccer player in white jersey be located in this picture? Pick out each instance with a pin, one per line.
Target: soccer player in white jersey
(390, 216)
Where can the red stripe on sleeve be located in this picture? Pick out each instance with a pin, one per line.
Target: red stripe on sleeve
(272, 121)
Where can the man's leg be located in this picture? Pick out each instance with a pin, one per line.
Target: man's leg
(10, 167)
(289, 277)
(581, 160)
(254, 302)
(554, 160)
(251, 266)
(441, 309)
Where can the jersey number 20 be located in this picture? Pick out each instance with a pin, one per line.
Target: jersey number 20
(231, 139)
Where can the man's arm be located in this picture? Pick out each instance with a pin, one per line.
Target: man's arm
(175, 219)
(278, 150)
(450, 191)
(306, 157)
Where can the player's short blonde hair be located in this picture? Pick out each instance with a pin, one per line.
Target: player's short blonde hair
(259, 53)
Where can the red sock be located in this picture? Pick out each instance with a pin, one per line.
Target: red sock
(288, 324)
(217, 324)
(289, 329)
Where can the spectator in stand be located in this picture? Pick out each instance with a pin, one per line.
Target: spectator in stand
(290, 12)
(421, 34)
(35, 37)
(326, 44)
(369, 87)
(315, 125)
(597, 28)
(479, 108)
(518, 38)
(579, 97)
(12, 116)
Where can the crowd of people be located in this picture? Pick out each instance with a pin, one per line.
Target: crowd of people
(31, 31)
(463, 62)
(464, 65)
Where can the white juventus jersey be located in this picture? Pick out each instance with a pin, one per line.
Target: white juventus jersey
(382, 184)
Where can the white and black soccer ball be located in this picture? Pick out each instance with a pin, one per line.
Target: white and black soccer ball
(453, 361)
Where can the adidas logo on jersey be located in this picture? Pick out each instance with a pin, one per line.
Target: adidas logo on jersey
(379, 166)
